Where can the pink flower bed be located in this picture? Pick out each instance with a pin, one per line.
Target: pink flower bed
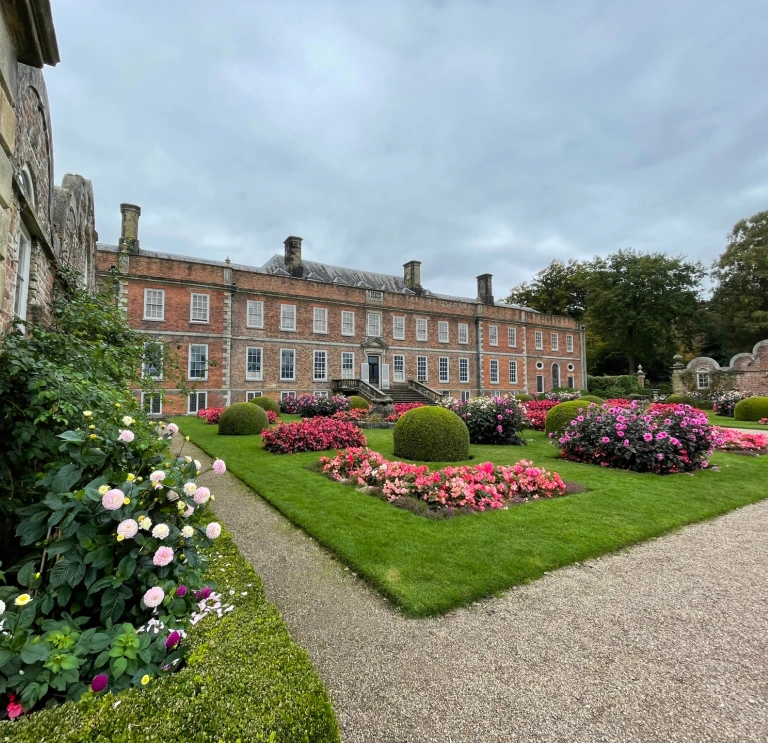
(536, 412)
(312, 434)
(353, 414)
(271, 416)
(211, 415)
(763, 421)
(730, 439)
(401, 408)
(618, 402)
(481, 487)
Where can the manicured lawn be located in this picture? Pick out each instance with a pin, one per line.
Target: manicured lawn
(429, 567)
(719, 420)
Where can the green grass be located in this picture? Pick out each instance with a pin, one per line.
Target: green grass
(725, 422)
(429, 567)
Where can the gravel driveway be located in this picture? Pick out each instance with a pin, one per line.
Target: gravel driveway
(665, 642)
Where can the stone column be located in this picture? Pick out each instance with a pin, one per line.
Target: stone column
(640, 376)
(677, 371)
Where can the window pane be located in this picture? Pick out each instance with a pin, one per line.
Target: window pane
(398, 328)
(463, 370)
(463, 333)
(153, 360)
(512, 337)
(513, 372)
(199, 308)
(555, 338)
(442, 332)
(374, 324)
(493, 335)
(347, 323)
(398, 368)
(421, 368)
(347, 365)
(421, 330)
(198, 361)
(539, 340)
(443, 368)
(253, 363)
(569, 343)
(154, 300)
(494, 371)
(319, 366)
(255, 314)
(287, 317)
(320, 320)
(287, 367)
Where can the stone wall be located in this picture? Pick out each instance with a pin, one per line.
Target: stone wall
(746, 372)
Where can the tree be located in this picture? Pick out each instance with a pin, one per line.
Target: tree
(740, 300)
(559, 289)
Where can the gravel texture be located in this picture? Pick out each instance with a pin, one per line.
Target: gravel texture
(667, 641)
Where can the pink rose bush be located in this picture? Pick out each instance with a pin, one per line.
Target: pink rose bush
(481, 487)
(664, 439)
(312, 434)
(733, 440)
(289, 405)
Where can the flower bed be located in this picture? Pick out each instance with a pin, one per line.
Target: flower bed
(620, 402)
(272, 416)
(403, 407)
(536, 412)
(312, 434)
(478, 488)
(351, 415)
(561, 395)
(662, 441)
(729, 439)
(724, 403)
(211, 415)
(309, 406)
(289, 405)
(490, 420)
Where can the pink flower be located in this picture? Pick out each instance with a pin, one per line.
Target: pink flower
(181, 590)
(173, 639)
(172, 495)
(126, 436)
(605, 440)
(219, 467)
(163, 556)
(99, 683)
(14, 709)
(154, 596)
(647, 436)
(127, 528)
(202, 495)
(157, 476)
(113, 499)
(213, 530)
(626, 442)
(188, 512)
(173, 428)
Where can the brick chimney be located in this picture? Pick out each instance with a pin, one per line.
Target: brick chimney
(412, 275)
(485, 288)
(129, 229)
(293, 256)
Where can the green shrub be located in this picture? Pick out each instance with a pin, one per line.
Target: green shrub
(213, 697)
(591, 398)
(431, 434)
(703, 404)
(624, 384)
(679, 399)
(357, 402)
(375, 418)
(523, 397)
(561, 415)
(242, 419)
(266, 403)
(751, 409)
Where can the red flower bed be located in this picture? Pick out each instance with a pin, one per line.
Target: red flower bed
(732, 440)
(536, 412)
(211, 415)
(618, 402)
(401, 408)
(312, 434)
(667, 408)
(271, 416)
(353, 414)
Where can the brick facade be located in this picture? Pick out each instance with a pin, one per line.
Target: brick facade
(474, 367)
(746, 372)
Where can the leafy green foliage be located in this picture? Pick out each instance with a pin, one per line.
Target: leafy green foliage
(559, 289)
(267, 403)
(751, 409)
(243, 419)
(356, 402)
(561, 415)
(625, 383)
(523, 397)
(592, 398)
(431, 434)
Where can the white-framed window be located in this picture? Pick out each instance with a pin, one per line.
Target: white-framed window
(374, 296)
(287, 317)
(569, 343)
(421, 369)
(555, 376)
(463, 332)
(320, 393)
(373, 325)
(198, 361)
(287, 395)
(493, 335)
(320, 366)
(154, 304)
(702, 379)
(251, 394)
(572, 383)
(398, 368)
(463, 370)
(512, 337)
(465, 394)
(538, 340)
(152, 360)
(347, 322)
(421, 329)
(555, 341)
(152, 403)
(347, 365)
(398, 327)
(287, 363)
(443, 369)
(254, 363)
(319, 320)
(197, 401)
(255, 315)
(513, 371)
(442, 331)
(199, 307)
(21, 287)
(539, 383)
(494, 371)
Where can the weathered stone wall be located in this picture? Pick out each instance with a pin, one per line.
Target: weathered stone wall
(746, 372)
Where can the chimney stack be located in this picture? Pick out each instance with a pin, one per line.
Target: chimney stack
(412, 275)
(485, 288)
(293, 256)
(129, 229)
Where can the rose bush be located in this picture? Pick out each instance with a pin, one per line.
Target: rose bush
(481, 487)
(723, 403)
(536, 412)
(490, 420)
(312, 434)
(309, 406)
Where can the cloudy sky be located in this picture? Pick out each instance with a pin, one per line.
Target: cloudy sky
(475, 136)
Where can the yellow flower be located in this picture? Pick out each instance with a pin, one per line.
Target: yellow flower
(213, 497)
(120, 537)
(130, 477)
(91, 427)
(139, 479)
(93, 436)
(127, 420)
(186, 438)
(103, 489)
(87, 413)
(126, 501)
(145, 679)
(118, 405)
(23, 600)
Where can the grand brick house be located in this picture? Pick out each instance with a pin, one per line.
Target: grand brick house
(294, 326)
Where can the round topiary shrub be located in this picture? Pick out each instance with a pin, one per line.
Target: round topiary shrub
(431, 434)
(523, 397)
(591, 398)
(678, 399)
(243, 419)
(751, 409)
(561, 415)
(358, 403)
(266, 403)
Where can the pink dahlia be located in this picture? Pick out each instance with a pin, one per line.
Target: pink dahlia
(157, 476)
(113, 499)
(202, 495)
(213, 530)
(173, 639)
(163, 556)
(219, 467)
(126, 436)
(154, 596)
(127, 528)
(173, 428)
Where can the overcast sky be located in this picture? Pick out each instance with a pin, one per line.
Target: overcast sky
(473, 136)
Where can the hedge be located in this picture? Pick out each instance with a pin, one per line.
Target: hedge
(561, 415)
(592, 398)
(267, 403)
(243, 419)
(678, 399)
(523, 397)
(751, 409)
(627, 383)
(245, 679)
(355, 402)
(431, 434)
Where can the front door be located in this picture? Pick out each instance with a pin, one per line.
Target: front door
(374, 377)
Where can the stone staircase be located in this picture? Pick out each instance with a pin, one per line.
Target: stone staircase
(402, 393)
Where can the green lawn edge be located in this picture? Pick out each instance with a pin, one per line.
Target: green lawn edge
(726, 422)
(245, 680)
(431, 567)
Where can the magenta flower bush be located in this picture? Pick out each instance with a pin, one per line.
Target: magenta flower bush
(312, 434)
(479, 488)
(490, 420)
(309, 406)
(663, 441)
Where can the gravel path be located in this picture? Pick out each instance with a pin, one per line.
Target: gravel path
(666, 642)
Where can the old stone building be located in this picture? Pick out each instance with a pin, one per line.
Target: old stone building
(43, 227)
(746, 372)
(294, 326)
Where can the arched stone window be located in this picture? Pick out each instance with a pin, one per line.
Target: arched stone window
(555, 376)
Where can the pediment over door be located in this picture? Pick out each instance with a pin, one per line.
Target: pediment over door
(374, 344)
